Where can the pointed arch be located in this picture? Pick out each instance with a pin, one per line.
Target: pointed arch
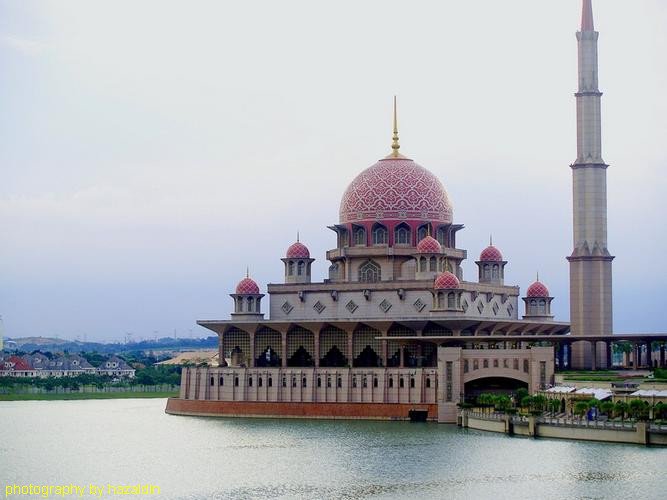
(370, 272)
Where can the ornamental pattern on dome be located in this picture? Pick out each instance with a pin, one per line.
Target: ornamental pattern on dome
(446, 281)
(491, 253)
(537, 289)
(429, 245)
(395, 188)
(298, 251)
(247, 286)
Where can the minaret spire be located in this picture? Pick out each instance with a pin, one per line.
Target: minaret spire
(395, 146)
(590, 261)
(587, 16)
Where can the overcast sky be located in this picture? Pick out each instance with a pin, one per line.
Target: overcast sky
(150, 150)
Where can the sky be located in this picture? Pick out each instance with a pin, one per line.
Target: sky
(150, 150)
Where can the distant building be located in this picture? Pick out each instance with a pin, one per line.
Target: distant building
(14, 366)
(116, 367)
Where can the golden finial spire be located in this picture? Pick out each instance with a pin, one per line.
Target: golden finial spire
(247, 271)
(490, 240)
(395, 146)
(297, 236)
(538, 276)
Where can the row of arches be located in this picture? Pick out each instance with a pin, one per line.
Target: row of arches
(300, 350)
(403, 234)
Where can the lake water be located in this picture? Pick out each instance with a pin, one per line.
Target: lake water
(133, 441)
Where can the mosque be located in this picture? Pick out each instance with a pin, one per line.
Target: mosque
(396, 330)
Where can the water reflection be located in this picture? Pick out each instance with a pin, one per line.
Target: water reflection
(133, 441)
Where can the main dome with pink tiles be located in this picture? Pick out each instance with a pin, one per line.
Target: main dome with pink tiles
(396, 188)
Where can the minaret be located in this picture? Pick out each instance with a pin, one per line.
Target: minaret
(590, 262)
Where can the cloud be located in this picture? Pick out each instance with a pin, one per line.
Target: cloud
(23, 45)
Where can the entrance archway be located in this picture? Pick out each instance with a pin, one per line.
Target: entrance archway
(492, 385)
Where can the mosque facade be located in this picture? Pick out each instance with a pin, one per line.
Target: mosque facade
(396, 329)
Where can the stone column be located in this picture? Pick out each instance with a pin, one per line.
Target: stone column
(317, 347)
(252, 350)
(610, 355)
(383, 354)
(350, 348)
(221, 351)
(636, 356)
(402, 356)
(283, 349)
(569, 356)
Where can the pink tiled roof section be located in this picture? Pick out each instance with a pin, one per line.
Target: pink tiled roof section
(247, 286)
(429, 245)
(491, 253)
(298, 250)
(395, 188)
(537, 289)
(446, 281)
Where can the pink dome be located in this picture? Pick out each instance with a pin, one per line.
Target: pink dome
(246, 286)
(537, 289)
(445, 281)
(429, 245)
(491, 253)
(298, 251)
(395, 189)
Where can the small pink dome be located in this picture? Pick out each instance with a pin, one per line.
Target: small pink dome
(246, 286)
(429, 245)
(491, 253)
(537, 289)
(446, 281)
(298, 251)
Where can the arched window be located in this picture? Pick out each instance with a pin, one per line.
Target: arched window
(496, 272)
(290, 268)
(485, 363)
(441, 236)
(300, 268)
(379, 235)
(360, 236)
(369, 272)
(542, 309)
(251, 304)
(433, 264)
(422, 233)
(402, 235)
(422, 264)
(451, 300)
(239, 304)
(487, 271)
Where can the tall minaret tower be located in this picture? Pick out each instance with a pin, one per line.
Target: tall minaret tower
(590, 262)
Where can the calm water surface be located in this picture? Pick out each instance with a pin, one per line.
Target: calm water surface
(134, 441)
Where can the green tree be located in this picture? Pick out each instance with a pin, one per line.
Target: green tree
(502, 402)
(554, 405)
(521, 393)
(620, 409)
(539, 402)
(580, 408)
(638, 409)
(607, 408)
(527, 402)
(593, 402)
